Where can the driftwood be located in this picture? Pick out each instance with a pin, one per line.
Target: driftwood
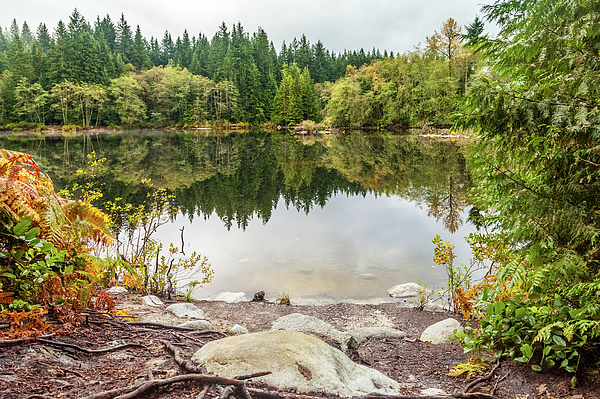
(90, 351)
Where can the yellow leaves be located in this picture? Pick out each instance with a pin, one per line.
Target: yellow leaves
(124, 314)
(443, 252)
(475, 366)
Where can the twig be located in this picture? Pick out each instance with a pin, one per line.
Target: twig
(207, 389)
(227, 392)
(185, 378)
(85, 350)
(250, 376)
(484, 378)
(498, 382)
(473, 395)
(11, 342)
(158, 325)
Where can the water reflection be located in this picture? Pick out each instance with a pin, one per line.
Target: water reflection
(322, 214)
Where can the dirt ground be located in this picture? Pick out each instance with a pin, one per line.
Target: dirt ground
(43, 370)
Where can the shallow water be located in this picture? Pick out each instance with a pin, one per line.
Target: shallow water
(317, 218)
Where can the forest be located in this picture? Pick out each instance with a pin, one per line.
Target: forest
(528, 96)
(108, 74)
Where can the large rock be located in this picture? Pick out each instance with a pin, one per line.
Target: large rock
(186, 310)
(441, 332)
(231, 297)
(310, 324)
(151, 300)
(362, 334)
(407, 290)
(296, 360)
(197, 325)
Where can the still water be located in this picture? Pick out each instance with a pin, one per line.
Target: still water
(326, 218)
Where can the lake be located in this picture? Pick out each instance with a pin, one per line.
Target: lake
(326, 218)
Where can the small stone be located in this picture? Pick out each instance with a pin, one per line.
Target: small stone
(237, 329)
(433, 307)
(362, 334)
(151, 300)
(441, 332)
(186, 310)
(197, 325)
(114, 291)
(406, 290)
(259, 296)
(433, 392)
(231, 297)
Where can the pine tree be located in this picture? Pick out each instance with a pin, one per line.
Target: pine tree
(167, 49)
(44, 37)
(139, 55)
(124, 40)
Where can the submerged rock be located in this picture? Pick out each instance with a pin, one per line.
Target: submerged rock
(296, 360)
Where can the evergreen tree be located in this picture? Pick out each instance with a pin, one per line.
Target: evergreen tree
(107, 29)
(44, 37)
(304, 54)
(263, 57)
(154, 53)
(219, 46)
(124, 40)
(318, 69)
(26, 36)
(167, 48)
(139, 55)
(199, 64)
(183, 51)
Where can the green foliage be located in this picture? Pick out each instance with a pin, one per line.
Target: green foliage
(25, 260)
(535, 113)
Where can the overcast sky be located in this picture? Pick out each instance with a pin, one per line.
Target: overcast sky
(393, 25)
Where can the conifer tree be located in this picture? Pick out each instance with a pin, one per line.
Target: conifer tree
(167, 49)
(124, 40)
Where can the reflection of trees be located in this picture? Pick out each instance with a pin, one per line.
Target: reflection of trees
(448, 207)
(241, 176)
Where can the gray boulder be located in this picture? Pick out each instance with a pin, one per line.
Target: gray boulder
(231, 297)
(441, 332)
(296, 360)
(310, 324)
(362, 334)
(186, 310)
(197, 325)
(237, 329)
(151, 300)
(406, 290)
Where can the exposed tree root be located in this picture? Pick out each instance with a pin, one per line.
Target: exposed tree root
(113, 393)
(90, 351)
(205, 379)
(11, 342)
(480, 380)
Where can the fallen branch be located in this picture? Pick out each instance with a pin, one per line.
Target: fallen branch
(157, 325)
(484, 378)
(113, 393)
(250, 376)
(91, 351)
(186, 378)
(473, 395)
(11, 342)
